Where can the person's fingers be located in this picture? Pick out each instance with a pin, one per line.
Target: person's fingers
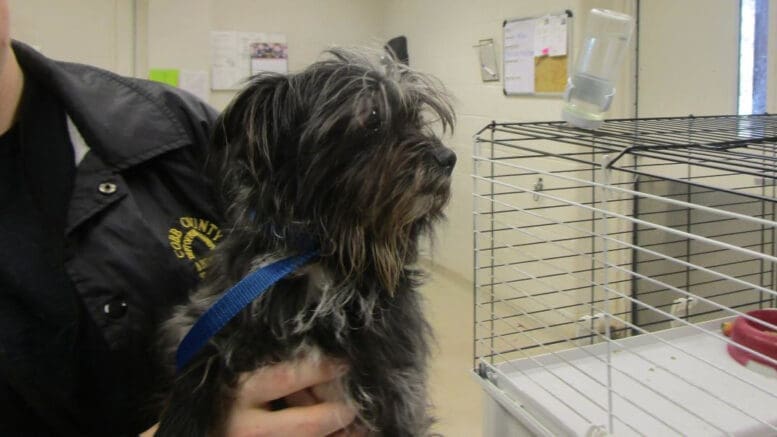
(329, 391)
(314, 421)
(356, 430)
(280, 380)
(150, 432)
(353, 430)
(302, 398)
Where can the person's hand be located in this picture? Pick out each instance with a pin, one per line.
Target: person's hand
(301, 386)
(309, 390)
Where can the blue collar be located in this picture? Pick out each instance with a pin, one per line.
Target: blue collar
(232, 302)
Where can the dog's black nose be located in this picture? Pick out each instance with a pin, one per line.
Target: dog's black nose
(446, 158)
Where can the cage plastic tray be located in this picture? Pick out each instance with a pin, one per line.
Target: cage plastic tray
(679, 393)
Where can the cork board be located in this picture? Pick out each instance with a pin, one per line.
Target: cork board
(550, 74)
(536, 54)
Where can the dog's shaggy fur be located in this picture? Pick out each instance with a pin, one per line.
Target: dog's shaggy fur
(341, 156)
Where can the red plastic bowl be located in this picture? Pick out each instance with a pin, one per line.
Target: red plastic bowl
(756, 337)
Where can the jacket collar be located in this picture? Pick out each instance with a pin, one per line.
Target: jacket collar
(97, 100)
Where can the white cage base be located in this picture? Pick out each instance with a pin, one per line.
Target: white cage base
(527, 394)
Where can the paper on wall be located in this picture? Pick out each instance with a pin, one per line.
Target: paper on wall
(521, 79)
(269, 54)
(225, 62)
(557, 42)
(237, 55)
(519, 57)
(244, 40)
(169, 76)
(541, 33)
(550, 36)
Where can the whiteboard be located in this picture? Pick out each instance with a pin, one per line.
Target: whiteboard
(536, 54)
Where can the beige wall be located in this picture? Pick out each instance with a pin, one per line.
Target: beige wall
(176, 40)
(688, 54)
(130, 37)
(97, 32)
(689, 61)
(771, 103)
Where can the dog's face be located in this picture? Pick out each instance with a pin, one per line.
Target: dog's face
(342, 154)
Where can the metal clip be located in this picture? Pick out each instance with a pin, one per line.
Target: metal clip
(537, 187)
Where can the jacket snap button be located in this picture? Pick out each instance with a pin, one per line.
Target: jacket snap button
(115, 308)
(107, 188)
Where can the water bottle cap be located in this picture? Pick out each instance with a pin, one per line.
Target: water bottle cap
(579, 120)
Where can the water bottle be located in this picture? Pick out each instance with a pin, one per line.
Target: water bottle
(590, 88)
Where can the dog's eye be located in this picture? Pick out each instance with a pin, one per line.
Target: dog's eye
(373, 122)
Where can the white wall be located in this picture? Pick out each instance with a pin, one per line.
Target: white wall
(688, 56)
(97, 32)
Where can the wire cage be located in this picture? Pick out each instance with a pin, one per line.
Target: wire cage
(616, 271)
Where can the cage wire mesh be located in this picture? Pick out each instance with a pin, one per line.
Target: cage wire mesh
(606, 263)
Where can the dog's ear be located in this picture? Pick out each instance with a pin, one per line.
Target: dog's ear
(255, 121)
(249, 135)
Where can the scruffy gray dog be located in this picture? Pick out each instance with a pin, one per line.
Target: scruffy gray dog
(340, 157)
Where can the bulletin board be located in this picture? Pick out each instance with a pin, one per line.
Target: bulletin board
(537, 54)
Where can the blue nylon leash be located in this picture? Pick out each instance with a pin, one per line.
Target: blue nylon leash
(232, 302)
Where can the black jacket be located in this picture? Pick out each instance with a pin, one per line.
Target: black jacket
(139, 222)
